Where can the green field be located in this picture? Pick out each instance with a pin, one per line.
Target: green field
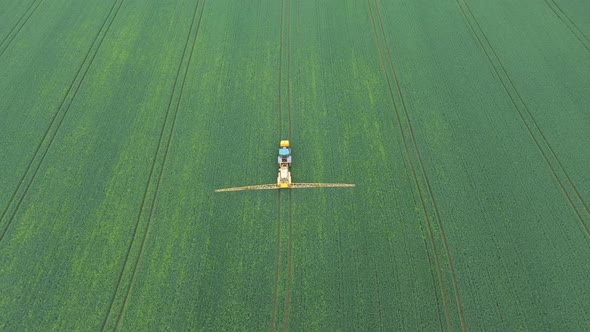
(465, 125)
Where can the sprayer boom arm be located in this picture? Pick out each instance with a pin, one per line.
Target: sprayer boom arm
(319, 185)
(291, 186)
(257, 187)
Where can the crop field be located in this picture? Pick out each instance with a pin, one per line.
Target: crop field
(464, 124)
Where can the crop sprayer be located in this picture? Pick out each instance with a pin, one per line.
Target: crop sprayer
(284, 176)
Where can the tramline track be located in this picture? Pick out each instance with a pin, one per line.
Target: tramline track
(26, 181)
(386, 61)
(287, 166)
(16, 29)
(284, 173)
(129, 269)
(274, 186)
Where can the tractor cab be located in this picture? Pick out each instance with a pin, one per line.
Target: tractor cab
(284, 153)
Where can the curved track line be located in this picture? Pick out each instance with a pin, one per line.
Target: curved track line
(440, 323)
(569, 19)
(277, 267)
(423, 169)
(581, 40)
(153, 204)
(154, 161)
(5, 46)
(545, 140)
(414, 175)
(17, 22)
(515, 104)
(54, 118)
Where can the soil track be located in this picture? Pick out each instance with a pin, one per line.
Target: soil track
(517, 99)
(423, 169)
(285, 10)
(161, 171)
(290, 137)
(569, 23)
(9, 39)
(62, 111)
(277, 267)
(413, 170)
(281, 72)
(280, 100)
(289, 265)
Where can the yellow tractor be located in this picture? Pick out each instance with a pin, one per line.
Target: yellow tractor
(284, 177)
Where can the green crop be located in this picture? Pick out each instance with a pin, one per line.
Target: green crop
(463, 124)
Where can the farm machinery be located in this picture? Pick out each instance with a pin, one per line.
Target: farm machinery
(284, 176)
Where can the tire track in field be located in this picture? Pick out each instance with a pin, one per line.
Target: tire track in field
(524, 112)
(158, 177)
(289, 67)
(56, 122)
(423, 169)
(289, 265)
(18, 26)
(414, 176)
(285, 10)
(290, 137)
(277, 267)
(379, 300)
(17, 22)
(281, 71)
(569, 23)
(280, 92)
